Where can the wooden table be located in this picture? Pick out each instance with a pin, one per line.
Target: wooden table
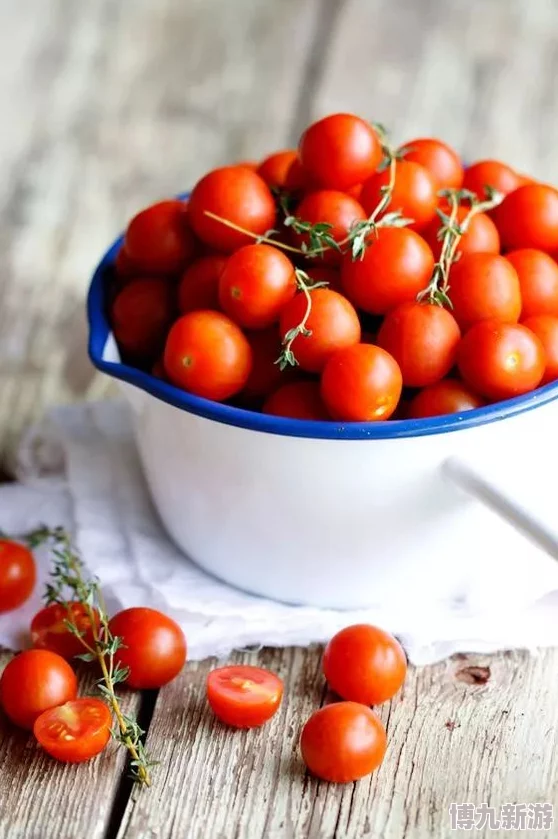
(110, 104)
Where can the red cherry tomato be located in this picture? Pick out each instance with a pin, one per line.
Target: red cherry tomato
(361, 383)
(484, 286)
(333, 324)
(340, 151)
(283, 170)
(238, 195)
(265, 376)
(343, 742)
(34, 681)
(17, 575)
(446, 397)
(199, 284)
(141, 315)
(50, 632)
(154, 648)
(124, 265)
(501, 360)
(423, 339)
(330, 207)
(414, 193)
(481, 235)
(75, 731)
(528, 218)
(256, 283)
(364, 664)
(491, 173)
(538, 279)
(545, 327)
(244, 696)
(325, 274)
(208, 354)
(395, 268)
(440, 159)
(159, 240)
(298, 400)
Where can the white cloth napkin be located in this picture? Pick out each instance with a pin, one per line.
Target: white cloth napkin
(80, 469)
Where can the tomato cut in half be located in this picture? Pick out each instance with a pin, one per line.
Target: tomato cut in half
(244, 696)
(49, 628)
(75, 731)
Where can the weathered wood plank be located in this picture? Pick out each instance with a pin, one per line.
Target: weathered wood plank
(449, 741)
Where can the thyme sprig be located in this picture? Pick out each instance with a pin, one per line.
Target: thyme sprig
(319, 236)
(69, 582)
(306, 286)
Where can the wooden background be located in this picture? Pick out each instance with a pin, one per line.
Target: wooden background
(109, 105)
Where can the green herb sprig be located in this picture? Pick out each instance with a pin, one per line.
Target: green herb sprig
(305, 286)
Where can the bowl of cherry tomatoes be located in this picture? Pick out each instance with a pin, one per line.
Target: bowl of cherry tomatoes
(308, 342)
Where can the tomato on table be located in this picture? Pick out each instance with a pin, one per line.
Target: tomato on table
(49, 630)
(528, 218)
(75, 731)
(440, 159)
(343, 742)
(244, 696)
(328, 206)
(484, 286)
(18, 574)
(158, 239)
(141, 315)
(154, 650)
(33, 682)
(490, 173)
(297, 400)
(449, 396)
(198, 287)
(414, 193)
(340, 151)
(545, 327)
(361, 383)
(538, 280)
(481, 235)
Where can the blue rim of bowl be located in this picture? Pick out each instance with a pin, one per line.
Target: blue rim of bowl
(99, 332)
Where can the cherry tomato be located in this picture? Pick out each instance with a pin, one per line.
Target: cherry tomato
(364, 664)
(75, 731)
(154, 648)
(159, 240)
(238, 195)
(298, 400)
(49, 630)
(340, 151)
(361, 383)
(248, 164)
(343, 742)
(440, 159)
(256, 283)
(423, 339)
(501, 360)
(265, 376)
(449, 396)
(538, 279)
(283, 170)
(333, 324)
(484, 286)
(158, 370)
(414, 193)
(125, 266)
(481, 235)
(141, 315)
(34, 681)
(492, 173)
(208, 354)
(244, 696)
(545, 327)
(325, 274)
(199, 284)
(330, 207)
(395, 268)
(528, 218)
(17, 574)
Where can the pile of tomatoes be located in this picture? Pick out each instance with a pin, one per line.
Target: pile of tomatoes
(251, 292)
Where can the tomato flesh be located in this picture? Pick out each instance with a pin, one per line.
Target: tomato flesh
(75, 731)
(244, 696)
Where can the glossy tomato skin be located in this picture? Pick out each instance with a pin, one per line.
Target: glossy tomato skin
(75, 731)
(333, 324)
(364, 664)
(199, 284)
(501, 360)
(361, 383)
(492, 173)
(449, 396)
(244, 696)
(297, 400)
(155, 647)
(538, 279)
(395, 268)
(283, 170)
(208, 354)
(545, 327)
(423, 339)
(141, 315)
(49, 630)
(34, 681)
(331, 207)
(484, 286)
(238, 195)
(256, 283)
(481, 235)
(441, 160)
(340, 151)
(414, 194)
(18, 575)
(343, 742)
(528, 218)
(158, 240)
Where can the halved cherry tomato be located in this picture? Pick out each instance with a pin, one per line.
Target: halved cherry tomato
(49, 630)
(159, 240)
(449, 396)
(244, 696)
(538, 279)
(440, 159)
(199, 284)
(491, 173)
(361, 383)
(34, 681)
(141, 315)
(545, 327)
(283, 170)
(484, 286)
(340, 151)
(528, 218)
(298, 400)
(154, 648)
(18, 574)
(414, 194)
(343, 742)
(330, 207)
(481, 235)
(75, 731)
